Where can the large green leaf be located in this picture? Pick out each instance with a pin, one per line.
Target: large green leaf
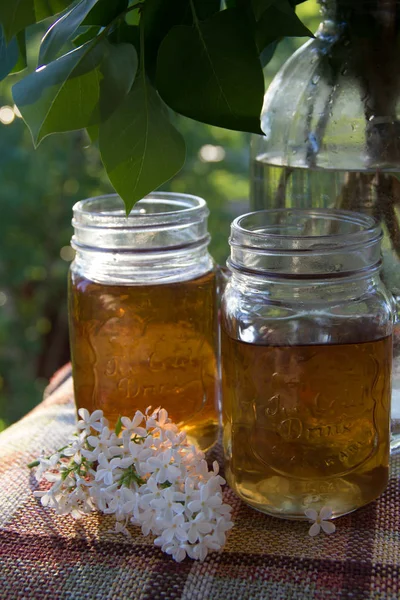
(79, 89)
(15, 15)
(88, 34)
(159, 16)
(127, 34)
(268, 52)
(63, 30)
(260, 6)
(277, 21)
(21, 63)
(104, 11)
(8, 55)
(139, 147)
(211, 72)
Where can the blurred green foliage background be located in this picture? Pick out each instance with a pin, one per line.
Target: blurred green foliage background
(37, 191)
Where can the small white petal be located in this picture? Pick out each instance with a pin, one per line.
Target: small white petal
(328, 527)
(314, 529)
(325, 513)
(311, 514)
(84, 413)
(96, 415)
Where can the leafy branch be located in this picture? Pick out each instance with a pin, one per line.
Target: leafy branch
(116, 68)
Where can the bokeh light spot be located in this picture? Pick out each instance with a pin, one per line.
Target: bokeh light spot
(7, 115)
(210, 153)
(67, 253)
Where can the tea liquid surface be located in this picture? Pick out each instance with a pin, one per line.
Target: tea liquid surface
(135, 346)
(306, 426)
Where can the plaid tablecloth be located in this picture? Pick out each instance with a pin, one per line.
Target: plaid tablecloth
(44, 556)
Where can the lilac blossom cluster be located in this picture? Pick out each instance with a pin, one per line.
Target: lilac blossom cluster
(144, 473)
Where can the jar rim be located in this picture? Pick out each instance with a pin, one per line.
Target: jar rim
(265, 229)
(301, 243)
(157, 208)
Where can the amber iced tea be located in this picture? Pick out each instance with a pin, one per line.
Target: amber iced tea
(141, 345)
(306, 425)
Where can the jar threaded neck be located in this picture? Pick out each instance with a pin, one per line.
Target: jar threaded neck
(300, 244)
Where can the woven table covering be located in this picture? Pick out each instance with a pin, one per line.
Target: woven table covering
(46, 556)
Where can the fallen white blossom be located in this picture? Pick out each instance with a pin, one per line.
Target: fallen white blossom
(320, 521)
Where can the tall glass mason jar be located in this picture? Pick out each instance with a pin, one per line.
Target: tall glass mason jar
(142, 309)
(331, 119)
(306, 362)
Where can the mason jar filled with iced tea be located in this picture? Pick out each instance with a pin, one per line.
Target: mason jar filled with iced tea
(142, 311)
(306, 362)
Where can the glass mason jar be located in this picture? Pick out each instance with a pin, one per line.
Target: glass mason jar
(142, 308)
(306, 362)
(331, 119)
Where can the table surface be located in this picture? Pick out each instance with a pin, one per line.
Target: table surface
(46, 556)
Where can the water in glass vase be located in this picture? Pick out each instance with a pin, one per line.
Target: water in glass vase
(375, 192)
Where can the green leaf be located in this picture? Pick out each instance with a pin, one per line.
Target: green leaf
(139, 147)
(8, 55)
(279, 20)
(118, 426)
(21, 63)
(16, 15)
(206, 8)
(63, 30)
(268, 52)
(211, 72)
(79, 89)
(159, 16)
(104, 11)
(127, 34)
(260, 6)
(48, 8)
(93, 132)
(86, 36)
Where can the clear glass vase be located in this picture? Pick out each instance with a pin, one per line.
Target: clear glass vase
(331, 120)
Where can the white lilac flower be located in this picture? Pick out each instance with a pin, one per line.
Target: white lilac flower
(320, 521)
(90, 421)
(46, 464)
(169, 504)
(120, 527)
(176, 528)
(159, 419)
(100, 444)
(198, 527)
(106, 471)
(189, 491)
(207, 502)
(162, 467)
(145, 474)
(133, 426)
(175, 548)
(74, 450)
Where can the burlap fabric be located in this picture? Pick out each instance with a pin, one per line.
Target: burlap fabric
(44, 556)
